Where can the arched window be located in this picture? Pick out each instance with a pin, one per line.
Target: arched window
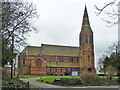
(23, 60)
(38, 62)
(50, 59)
(72, 59)
(86, 39)
(90, 39)
(60, 59)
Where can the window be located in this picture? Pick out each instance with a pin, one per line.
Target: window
(86, 39)
(61, 69)
(50, 59)
(38, 62)
(62, 59)
(66, 69)
(55, 69)
(23, 60)
(90, 39)
(69, 59)
(50, 69)
(72, 59)
(80, 40)
(88, 49)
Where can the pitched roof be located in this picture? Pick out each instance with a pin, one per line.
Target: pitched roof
(59, 50)
(55, 50)
(31, 50)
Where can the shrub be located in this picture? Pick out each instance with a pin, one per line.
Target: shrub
(51, 73)
(10, 84)
(41, 80)
(67, 73)
(47, 82)
(91, 78)
(68, 82)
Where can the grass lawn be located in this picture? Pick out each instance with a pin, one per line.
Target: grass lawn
(50, 79)
(31, 76)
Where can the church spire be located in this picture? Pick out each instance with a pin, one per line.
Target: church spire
(85, 23)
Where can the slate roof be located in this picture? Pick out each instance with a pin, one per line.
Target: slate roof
(85, 24)
(58, 50)
(32, 50)
(53, 50)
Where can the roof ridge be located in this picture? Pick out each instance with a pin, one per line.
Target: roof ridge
(59, 45)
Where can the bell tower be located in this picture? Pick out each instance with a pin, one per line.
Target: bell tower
(86, 47)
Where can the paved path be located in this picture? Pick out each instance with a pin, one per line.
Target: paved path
(36, 84)
(32, 81)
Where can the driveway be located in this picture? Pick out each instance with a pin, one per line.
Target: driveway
(35, 84)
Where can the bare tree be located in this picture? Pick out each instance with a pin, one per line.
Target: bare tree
(112, 13)
(17, 19)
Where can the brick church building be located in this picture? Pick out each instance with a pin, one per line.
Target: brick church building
(60, 60)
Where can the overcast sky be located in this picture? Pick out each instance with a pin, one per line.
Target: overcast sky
(60, 23)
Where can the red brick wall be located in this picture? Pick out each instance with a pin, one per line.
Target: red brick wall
(33, 69)
(57, 58)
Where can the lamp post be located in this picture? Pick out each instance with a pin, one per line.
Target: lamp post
(27, 60)
(31, 65)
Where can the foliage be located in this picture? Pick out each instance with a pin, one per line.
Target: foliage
(16, 24)
(68, 82)
(110, 71)
(112, 58)
(113, 82)
(10, 84)
(91, 78)
(6, 53)
(67, 73)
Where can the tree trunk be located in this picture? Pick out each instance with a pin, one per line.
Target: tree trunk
(12, 56)
(14, 69)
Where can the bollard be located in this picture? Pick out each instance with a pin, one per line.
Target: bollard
(28, 83)
(107, 84)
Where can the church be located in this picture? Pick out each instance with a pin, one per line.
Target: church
(60, 60)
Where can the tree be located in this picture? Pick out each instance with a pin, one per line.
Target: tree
(110, 71)
(111, 10)
(112, 58)
(16, 24)
(114, 14)
(6, 53)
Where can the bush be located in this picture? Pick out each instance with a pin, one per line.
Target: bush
(51, 73)
(91, 78)
(68, 82)
(67, 73)
(10, 84)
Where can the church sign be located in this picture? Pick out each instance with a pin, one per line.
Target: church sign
(74, 73)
